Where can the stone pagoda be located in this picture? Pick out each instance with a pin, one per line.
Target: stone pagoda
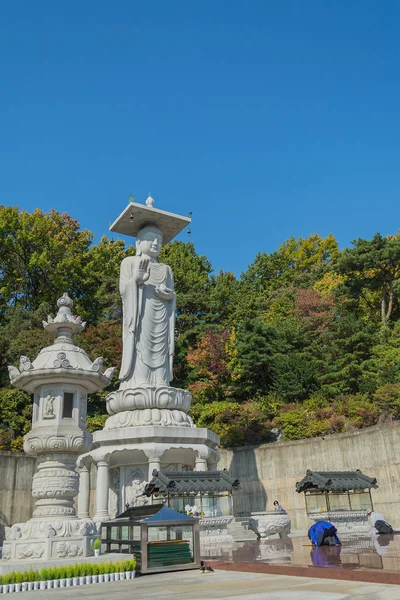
(59, 379)
(149, 428)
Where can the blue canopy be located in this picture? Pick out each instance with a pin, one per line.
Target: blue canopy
(167, 514)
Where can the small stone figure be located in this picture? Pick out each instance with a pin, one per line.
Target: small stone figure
(49, 407)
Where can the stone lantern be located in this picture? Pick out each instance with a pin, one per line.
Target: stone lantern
(59, 379)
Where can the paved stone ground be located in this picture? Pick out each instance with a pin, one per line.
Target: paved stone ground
(191, 585)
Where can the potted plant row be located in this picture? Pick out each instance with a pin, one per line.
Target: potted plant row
(79, 574)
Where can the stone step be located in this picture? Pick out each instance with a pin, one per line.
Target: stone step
(239, 529)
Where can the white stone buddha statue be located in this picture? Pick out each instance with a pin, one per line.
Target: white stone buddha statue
(147, 291)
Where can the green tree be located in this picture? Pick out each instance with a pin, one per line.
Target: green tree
(192, 280)
(41, 256)
(373, 265)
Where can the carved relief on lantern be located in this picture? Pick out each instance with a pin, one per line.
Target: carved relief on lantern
(48, 411)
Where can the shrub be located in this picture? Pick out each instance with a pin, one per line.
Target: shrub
(96, 544)
(387, 398)
(101, 568)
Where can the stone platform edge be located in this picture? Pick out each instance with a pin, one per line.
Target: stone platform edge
(367, 575)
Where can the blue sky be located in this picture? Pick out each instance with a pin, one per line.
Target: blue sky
(264, 119)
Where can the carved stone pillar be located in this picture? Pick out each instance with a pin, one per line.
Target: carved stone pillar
(54, 486)
(154, 464)
(84, 492)
(102, 486)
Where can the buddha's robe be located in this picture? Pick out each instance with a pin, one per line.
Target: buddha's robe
(148, 325)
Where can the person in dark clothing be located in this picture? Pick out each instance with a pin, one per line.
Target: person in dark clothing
(323, 533)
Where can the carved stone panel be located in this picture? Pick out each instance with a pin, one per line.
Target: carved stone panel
(48, 410)
(134, 487)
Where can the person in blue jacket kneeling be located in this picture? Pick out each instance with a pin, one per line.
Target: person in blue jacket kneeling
(323, 533)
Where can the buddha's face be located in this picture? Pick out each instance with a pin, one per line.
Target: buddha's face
(149, 241)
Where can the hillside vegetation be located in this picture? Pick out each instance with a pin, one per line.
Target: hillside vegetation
(306, 342)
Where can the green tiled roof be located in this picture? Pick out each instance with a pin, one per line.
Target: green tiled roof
(191, 482)
(339, 481)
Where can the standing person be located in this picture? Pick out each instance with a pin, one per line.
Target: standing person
(277, 506)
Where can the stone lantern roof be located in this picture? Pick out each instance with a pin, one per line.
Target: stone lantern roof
(63, 360)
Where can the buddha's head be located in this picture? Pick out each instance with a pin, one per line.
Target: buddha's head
(149, 241)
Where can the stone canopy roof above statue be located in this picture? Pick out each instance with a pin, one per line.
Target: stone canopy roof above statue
(136, 216)
(335, 481)
(191, 482)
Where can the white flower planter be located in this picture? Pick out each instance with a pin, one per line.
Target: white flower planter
(97, 551)
(95, 578)
(24, 587)
(112, 576)
(11, 588)
(128, 575)
(122, 576)
(75, 581)
(82, 580)
(106, 577)
(18, 587)
(5, 589)
(101, 578)
(43, 585)
(116, 576)
(36, 585)
(63, 582)
(49, 584)
(29, 586)
(88, 579)
(68, 582)
(56, 583)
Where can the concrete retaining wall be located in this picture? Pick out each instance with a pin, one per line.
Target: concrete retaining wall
(266, 472)
(16, 503)
(270, 471)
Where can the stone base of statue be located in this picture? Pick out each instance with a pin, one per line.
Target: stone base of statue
(265, 524)
(148, 405)
(127, 456)
(47, 540)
